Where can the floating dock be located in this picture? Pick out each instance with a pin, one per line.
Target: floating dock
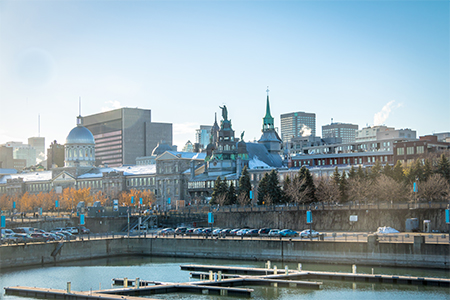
(306, 275)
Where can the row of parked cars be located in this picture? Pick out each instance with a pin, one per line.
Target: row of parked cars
(238, 232)
(31, 234)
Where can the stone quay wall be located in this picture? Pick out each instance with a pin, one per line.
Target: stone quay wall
(370, 252)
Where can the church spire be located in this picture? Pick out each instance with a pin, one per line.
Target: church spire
(268, 119)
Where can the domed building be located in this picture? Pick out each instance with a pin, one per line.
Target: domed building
(80, 147)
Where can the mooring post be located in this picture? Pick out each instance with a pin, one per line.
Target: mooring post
(354, 269)
(275, 271)
(220, 275)
(286, 269)
(215, 277)
(125, 282)
(137, 282)
(68, 287)
(211, 275)
(268, 264)
(299, 267)
(372, 271)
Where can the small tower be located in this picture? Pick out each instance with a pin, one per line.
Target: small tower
(269, 137)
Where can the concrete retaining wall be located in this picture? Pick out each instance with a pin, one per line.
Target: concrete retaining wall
(363, 253)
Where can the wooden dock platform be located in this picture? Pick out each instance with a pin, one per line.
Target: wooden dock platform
(306, 275)
(62, 294)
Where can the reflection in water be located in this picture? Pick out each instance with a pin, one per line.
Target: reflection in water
(92, 274)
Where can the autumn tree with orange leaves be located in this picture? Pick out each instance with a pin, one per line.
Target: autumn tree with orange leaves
(148, 198)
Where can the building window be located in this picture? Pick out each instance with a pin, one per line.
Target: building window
(400, 151)
(368, 159)
(410, 150)
(420, 149)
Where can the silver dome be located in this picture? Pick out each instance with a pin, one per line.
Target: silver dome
(80, 135)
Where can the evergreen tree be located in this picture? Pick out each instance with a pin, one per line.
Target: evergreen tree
(443, 167)
(231, 195)
(361, 175)
(352, 173)
(375, 170)
(336, 177)
(245, 186)
(387, 170)
(308, 185)
(343, 186)
(220, 188)
(263, 188)
(397, 172)
(427, 170)
(287, 185)
(273, 187)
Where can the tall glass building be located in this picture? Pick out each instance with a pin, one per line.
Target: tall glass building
(345, 131)
(297, 124)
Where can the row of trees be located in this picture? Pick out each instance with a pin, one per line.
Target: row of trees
(69, 198)
(378, 183)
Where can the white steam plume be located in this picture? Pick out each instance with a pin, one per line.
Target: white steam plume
(305, 130)
(380, 117)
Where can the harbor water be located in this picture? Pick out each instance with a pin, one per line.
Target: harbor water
(97, 274)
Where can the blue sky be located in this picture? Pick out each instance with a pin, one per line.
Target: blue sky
(346, 60)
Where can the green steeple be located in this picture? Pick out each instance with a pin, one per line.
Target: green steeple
(268, 119)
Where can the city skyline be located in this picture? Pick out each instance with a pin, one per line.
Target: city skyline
(365, 63)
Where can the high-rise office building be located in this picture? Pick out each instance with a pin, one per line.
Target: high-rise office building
(203, 135)
(123, 134)
(55, 156)
(345, 131)
(297, 124)
(39, 144)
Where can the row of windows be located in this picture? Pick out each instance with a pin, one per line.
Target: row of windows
(410, 150)
(141, 181)
(112, 133)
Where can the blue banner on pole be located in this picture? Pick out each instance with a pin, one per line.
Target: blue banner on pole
(140, 201)
(40, 211)
(132, 199)
(3, 222)
(56, 203)
(81, 219)
(14, 204)
(447, 216)
(251, 194)
(415, 187)
(168, 201)
(309, 219)
(210, 218)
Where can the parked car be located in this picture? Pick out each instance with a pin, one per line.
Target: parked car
(207, 231)
(190, 231)
(217, 231)
(26, 230)
(225, 231)
(19, 238)
(72, 230)
(274, 232)
(84, 230)
(38, 237)
(68, 236)
(52, 236)
(288, 233)
(180, 230)
(307, 234)
(252, 232)
(264, 231)
(166, 231)
(233, 231)
(198, 231)
(6, 231)
(59, 229)
(242, 232)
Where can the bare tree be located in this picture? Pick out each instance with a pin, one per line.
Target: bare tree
(358, 189)
(221, 199)
(295, 193)
(243, 199)
(434, 189)
(267, 200)
(327, 191)
(387, 189)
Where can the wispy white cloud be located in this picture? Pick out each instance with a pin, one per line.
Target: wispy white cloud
(185, 128)
(111, 105)
(380, 117)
